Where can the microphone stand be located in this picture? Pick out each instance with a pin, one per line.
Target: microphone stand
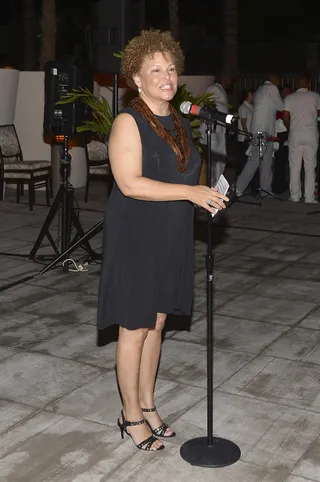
(210, 451)
(249, 136)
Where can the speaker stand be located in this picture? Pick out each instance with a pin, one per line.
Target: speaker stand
(65, 200)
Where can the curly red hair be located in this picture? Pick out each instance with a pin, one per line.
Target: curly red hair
(145, 45)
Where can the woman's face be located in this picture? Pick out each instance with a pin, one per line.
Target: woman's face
(158, 77)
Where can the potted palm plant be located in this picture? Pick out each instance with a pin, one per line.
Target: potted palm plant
(102, 117)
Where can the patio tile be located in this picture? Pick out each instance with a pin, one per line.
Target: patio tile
(232, 246)
(312, 258)
(15, 267)
(73, 306)
(19, 297)
(261, 308)
(79, 450)
(99, 400)
(286, 382)
(11, 245)
(233, 334)
(30, 235)
(36, 379)
(33, 332)
(59, 281)
(13, 319)
(312, 320)
(298, 344)
(253, 266)
(301, 271)
(283, 253)
(269, 435)
(293, 239)
(289, 289)
(247, 234)
(186, 363)
(80, 344)
(293, 478)
(6, 352)
(219, 298)
(308, 465)
(11, 414)
(170, 461)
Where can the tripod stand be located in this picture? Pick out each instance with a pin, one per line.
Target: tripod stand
(260, 195)
(65, 200)
(210, 451)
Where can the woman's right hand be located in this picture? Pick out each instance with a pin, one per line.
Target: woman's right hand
(207, 197)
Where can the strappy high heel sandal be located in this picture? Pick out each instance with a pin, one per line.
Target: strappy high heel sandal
(145, 444)
(159, 431)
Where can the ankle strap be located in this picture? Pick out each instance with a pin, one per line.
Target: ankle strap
(132, 424)
(125, 422)
(154, 409)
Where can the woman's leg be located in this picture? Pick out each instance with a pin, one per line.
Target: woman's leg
(148, 370)
(128, 359)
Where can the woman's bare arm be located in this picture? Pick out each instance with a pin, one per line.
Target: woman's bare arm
(125, 152)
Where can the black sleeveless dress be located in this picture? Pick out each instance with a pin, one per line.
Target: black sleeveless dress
(148, 247)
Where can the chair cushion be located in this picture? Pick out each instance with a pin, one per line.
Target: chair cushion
(26, 165)
(97, 151)
(25, 175)
(103, 170)
(9, 141)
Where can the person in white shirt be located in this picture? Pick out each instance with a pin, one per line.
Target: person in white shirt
(218, 138)
(245, 114)
(266, 103)
(300, 116)
(280, 179)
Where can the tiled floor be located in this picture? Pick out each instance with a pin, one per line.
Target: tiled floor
(58, 393)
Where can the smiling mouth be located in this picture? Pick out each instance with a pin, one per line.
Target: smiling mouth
(166, 87)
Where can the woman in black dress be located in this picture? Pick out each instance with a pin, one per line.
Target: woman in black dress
(148, 252)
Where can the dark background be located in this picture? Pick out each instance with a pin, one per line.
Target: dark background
(273, 35)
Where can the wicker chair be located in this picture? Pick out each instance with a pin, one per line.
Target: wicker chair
(14, 170)
(98, 166)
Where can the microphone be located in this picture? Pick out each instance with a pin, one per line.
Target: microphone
(209, 113)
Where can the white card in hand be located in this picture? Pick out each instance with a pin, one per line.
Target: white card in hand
(222, 186)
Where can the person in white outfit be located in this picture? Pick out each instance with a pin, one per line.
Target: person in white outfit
(218, 138)
(266, 103)
(245, 114)
(300, 116)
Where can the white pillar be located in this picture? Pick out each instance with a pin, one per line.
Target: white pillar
(9, 80)
(28, 117)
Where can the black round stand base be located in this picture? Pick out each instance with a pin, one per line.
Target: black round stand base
(220, 454)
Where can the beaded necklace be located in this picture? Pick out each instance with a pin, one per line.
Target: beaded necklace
(178, 143)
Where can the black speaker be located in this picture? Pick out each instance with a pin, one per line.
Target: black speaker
(61, 78)
(113, 25)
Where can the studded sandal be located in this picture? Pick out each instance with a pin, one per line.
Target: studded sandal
(159, 431)
(145, 444)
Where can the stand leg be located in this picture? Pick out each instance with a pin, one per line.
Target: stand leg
(65, 198)
(92, 232)
(46, 226)
(82, 235)
(210, 451)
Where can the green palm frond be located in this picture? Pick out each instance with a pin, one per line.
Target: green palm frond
(182, 95)
(102, 117)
